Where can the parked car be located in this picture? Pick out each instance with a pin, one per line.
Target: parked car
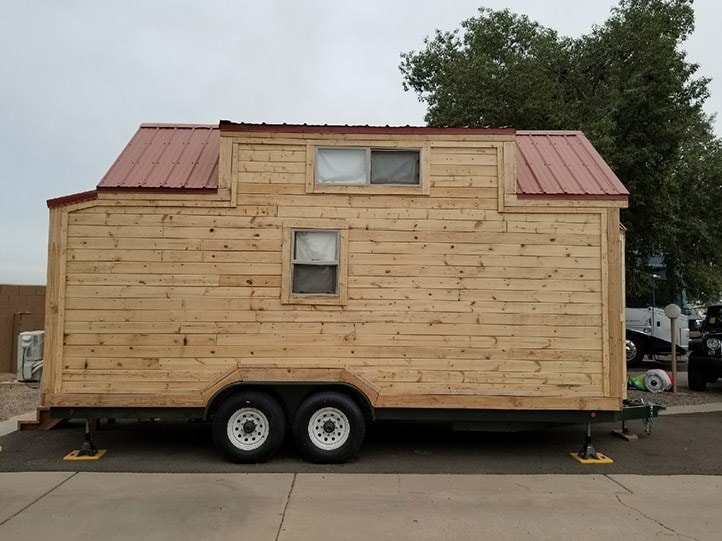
(705, 357)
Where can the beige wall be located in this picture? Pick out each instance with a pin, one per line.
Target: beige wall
(451, 300)
(22, 308)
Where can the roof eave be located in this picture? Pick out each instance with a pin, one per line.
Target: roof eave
(79, 197)
(157, 189)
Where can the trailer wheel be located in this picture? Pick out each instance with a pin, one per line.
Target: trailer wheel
(329, 428)
(634, 347)
(696, 377)
(249, 427)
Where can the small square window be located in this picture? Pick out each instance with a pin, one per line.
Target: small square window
(314, 264)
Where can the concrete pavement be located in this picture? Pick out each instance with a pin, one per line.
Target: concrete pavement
(11, 425)
(287, 505)
(71, 506)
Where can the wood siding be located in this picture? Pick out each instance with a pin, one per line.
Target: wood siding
(453, 299)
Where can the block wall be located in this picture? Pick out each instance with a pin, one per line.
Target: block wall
(22, 308)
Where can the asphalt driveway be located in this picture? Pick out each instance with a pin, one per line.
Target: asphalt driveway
(679, 444)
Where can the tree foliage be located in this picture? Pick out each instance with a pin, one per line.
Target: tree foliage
(629, 86)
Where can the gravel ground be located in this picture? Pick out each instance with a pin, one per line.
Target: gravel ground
(683, 396)
(18, 398)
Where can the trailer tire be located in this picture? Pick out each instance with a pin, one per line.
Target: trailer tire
(696, 377)
(248, 427)
(635, 350)
(329, 428)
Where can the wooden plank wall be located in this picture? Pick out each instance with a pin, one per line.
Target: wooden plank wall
(451, 303)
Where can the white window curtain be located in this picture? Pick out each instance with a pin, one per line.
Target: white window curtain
(316, 246)
(341, 166)
(394, 167)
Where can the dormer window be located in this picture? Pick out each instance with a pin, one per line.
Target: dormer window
(357, 166)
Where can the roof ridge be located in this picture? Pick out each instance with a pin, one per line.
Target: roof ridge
(161, 125)
(549, 132)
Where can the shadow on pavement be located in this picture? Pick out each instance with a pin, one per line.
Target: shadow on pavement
(679, 444)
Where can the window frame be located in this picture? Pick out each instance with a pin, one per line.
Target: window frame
(288, 296)
(422, 188)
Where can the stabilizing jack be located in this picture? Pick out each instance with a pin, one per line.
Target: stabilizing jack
(88, 451)
(588, 454)
(625, 433)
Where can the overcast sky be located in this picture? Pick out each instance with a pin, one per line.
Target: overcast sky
(78, 77)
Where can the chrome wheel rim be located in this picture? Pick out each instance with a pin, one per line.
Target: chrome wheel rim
(631, 350)
(247, 429)
(329, 428)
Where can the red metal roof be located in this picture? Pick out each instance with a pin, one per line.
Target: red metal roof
(168, 156)
(563, 164)
(163, 157)
(72, 198)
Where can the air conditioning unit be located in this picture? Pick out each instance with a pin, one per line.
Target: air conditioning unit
(30, 355)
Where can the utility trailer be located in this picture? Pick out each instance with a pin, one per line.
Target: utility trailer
(323, 277)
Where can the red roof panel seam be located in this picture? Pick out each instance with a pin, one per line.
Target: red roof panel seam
(175, 152)
(532, 154)
(546, 173)
(208, 155)
(525, 175)
(593, 167)
(195, 175)
(528, 152)
(162, 171)
(116, 169)
(183, 170)
(564, 161)
(612, 181)
(590, 165)
(144, 150)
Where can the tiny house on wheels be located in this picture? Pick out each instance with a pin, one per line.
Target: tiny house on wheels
(323, 277)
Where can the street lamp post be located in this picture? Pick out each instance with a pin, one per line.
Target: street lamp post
(672, 311)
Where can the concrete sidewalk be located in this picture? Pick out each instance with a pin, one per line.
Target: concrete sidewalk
(122, 506)
(11, 425)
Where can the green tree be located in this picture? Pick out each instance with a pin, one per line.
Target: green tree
(697, 180)
(627, 85)
(502, 69)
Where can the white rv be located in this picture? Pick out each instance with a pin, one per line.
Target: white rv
(648, 329)
(648, 333)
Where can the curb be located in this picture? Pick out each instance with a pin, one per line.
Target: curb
(11, 425)
(697, 408)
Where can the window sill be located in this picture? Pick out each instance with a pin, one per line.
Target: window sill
(375, 189)
(314, 299)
